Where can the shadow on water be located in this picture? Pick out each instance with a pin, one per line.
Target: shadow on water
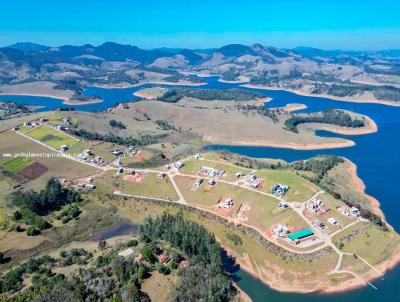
(113, 231)
(230, 265)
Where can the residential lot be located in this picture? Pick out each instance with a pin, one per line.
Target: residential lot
(51, 137)
(262, 211)
(300, 189)
(60, 167)
(148, 185)
(193, 166)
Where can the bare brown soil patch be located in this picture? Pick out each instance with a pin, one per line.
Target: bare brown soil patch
(133, 178)
(34, 171)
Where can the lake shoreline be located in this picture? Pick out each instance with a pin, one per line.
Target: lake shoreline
(294, 146)
(332, 97)
(124, 86)
(64, 100)
(324, 288)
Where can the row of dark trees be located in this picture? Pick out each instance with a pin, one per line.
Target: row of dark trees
(173, 95)
(120, 140)
(385, 92)
(329, 116)
(117, 124)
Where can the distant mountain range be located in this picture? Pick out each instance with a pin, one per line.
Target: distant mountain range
(304, 68)
(28, 46)
(229, 50)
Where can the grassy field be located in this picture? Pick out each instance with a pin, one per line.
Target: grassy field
(344, 185)
(16, 164)
(300, 189)
(24, 128)
(58, 119)
(367, 241)
(222, 123)
(150, 186)
(192, 166)
(51, 137)
(60, 167)
(354, 264)
(263, 212)
(104, 149)
(78, 147)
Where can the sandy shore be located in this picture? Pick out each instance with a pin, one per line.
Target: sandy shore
(360, 186)
(33, 108)
(65, 100)
(240, 80)
(336, 98)
(333, 145)
(247, 266)
(182, 83)
(292, 107)
(384, 266)
(325, 287)
(241, 294)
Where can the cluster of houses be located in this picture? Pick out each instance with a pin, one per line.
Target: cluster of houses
(322, 225)
(252, 181)
(283, 205)
(196, 184)
(179, 164)
(315, 205)
(239, 174)
(333, 221)
(32, 124)
(212, 172)
(89, 156)
(211, 183)
(138, 173)
(319, 224)
(64, 148)
(198, 156)
(117, 152)
(61, 127)
(280, 231)
(117, 162)
(66, 124)
(350, 212)
(279, 190)
(130, 151)
(226, 204)
(86, 185)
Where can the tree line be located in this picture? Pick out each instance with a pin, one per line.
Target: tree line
(329, 116)
(51, 198)
(143, 140)
(173, 95)
(117, 124)
(204, 279)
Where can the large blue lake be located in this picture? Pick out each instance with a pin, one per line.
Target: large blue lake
(377, 156)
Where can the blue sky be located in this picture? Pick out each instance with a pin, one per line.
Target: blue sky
(349, 24)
